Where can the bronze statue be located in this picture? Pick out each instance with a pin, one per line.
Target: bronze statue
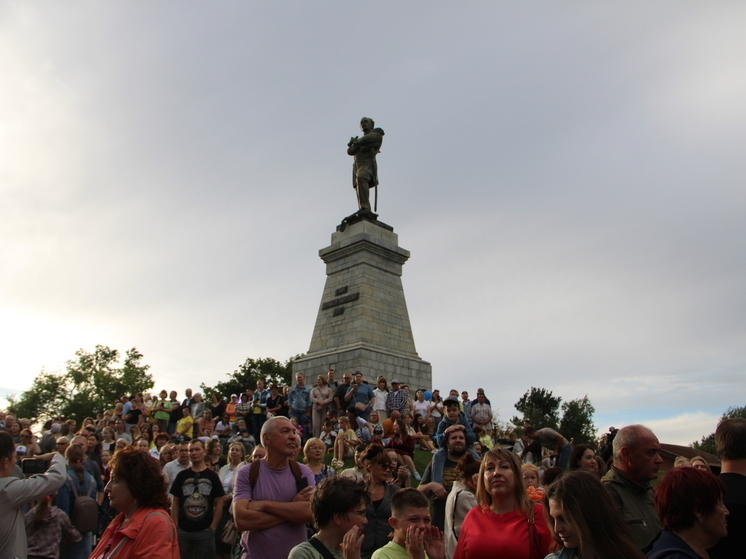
(365, 169)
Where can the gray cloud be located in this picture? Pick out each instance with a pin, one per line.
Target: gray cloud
(568, 179)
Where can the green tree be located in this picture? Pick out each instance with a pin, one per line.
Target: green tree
(707, 443)
(270, 370)
(43, 400)
(577, 421)
(90, 384)
(540, 407)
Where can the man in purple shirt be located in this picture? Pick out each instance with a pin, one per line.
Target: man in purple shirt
(273, 511)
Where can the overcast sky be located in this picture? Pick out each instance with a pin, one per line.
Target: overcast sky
(568, 176)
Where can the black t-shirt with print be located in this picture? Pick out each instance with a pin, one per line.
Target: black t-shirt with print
(196, 492)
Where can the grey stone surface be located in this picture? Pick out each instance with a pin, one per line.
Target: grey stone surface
(363, 322)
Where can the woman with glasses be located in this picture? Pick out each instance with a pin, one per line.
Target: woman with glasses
(378, 468)
(313, 456)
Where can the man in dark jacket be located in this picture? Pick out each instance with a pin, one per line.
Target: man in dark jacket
(636, 464)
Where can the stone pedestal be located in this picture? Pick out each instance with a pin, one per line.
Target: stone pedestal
(363, 323)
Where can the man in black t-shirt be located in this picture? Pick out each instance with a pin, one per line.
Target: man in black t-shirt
(339, 396)
(730, 441)
(275, 402)
(197, 505)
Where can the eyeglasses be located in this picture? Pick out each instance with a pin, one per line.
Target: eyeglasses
(390, 466)
(360, 513)
(62, 444)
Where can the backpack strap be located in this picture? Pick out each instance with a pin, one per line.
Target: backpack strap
(453, 515)
(295, 468)
(320, 547)
(253, 473)
(72, 484)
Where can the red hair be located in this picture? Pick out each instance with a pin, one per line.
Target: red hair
(685, 492)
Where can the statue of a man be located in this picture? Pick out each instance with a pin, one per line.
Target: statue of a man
(365, 169)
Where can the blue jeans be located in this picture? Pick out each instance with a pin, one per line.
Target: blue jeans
(563, 459)
(258, 420)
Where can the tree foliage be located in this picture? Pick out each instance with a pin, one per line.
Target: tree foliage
(577, 421)
(707, 443)
(90, 384)
(270, 370)
(540, 407)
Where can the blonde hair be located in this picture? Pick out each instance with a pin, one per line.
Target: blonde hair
(484, 497)
(310, 442)
(700, 459)
(533, 468)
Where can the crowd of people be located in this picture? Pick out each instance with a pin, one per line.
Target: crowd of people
(262, 474)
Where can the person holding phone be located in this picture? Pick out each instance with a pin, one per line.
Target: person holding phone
(14, 493)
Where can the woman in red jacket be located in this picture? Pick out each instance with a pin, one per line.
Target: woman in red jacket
(143, 529)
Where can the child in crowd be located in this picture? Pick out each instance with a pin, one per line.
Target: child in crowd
(400, 475)
(345, 443)
(328, 434)
(298, 428)
(454, 416)
(356, 473)
(483, 437)
(414, 536)
(46, 525)
(532, 482)
(364, 431)
(375, 427)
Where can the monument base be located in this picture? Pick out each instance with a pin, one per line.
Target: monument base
(371, 362)
(363, 323)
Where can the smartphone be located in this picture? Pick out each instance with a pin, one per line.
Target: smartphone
(33, 466)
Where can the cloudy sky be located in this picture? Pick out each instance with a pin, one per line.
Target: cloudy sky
(568, 177)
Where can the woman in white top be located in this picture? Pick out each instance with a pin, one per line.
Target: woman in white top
(436, 409)
(422, 406)
(381, 393)
(227, 474)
